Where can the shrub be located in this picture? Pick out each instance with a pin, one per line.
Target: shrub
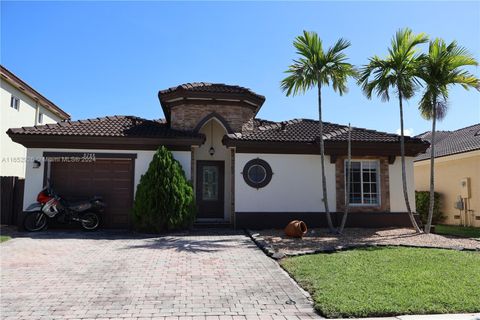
(164, 199)
(422, 201)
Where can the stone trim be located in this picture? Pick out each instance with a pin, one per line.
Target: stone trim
(384, 185)
(188, 116)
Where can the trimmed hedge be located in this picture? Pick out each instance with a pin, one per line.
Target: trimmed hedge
(164, 199)
(422, 201)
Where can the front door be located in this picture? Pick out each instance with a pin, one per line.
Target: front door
(210, 189)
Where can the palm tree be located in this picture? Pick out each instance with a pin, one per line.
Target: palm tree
(440, 69)
(317, 68)
(397, 72)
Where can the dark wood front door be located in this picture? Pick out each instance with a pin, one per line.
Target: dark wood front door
(210, 189)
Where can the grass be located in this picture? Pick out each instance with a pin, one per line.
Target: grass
(468, 232)
(4, 238)
(389, 281)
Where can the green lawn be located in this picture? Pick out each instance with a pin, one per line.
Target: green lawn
(468, 232)
(4, 238)
(389, 281)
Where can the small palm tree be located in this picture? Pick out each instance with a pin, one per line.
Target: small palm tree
(397, 72)
(317, 68)
(440, 69)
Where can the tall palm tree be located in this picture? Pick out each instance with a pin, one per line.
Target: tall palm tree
(318, 68)
(440, 69)
(397, 72)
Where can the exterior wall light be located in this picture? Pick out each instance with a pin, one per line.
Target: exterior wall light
(36, 164)
(211, 151)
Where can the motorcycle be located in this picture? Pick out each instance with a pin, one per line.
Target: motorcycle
(51, 206)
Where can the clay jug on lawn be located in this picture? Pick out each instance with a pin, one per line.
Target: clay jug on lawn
(296, 228)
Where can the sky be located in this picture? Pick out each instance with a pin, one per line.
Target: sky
(110, 58)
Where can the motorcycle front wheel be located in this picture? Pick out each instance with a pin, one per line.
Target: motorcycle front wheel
(35, 221)
(90, 221)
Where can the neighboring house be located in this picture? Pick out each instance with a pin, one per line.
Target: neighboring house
(246, 172)
(21, 106)
(457, 173)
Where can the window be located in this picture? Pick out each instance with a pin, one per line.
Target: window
(210, 183)
(40, 117)
(364, 182)
(15, 103)
(257, 173)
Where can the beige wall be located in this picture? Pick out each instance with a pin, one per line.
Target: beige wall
(13, 155)
(448, 173)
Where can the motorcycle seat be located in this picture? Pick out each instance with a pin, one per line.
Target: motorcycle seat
(79, 206)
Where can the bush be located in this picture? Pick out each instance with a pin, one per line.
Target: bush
(164, 199)
(422, 201)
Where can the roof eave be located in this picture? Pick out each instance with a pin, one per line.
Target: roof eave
(103, 142)
(337, 148)
(21, 85)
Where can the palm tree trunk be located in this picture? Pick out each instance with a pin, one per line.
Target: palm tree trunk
(432, 168)
(347, 181)
(404, 173)
(322, 159)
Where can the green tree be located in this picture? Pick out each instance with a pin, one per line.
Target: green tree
(318, 68)
(397, 72)
(440, 69)
(164, 199)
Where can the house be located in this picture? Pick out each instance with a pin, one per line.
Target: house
(21, 106)
(457, 173)
(246, 172)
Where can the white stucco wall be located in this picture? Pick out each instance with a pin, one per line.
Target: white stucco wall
(397, 201)
(34, 177)
(295, 186)
(12, 154)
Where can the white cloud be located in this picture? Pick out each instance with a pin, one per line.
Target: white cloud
(407, 132)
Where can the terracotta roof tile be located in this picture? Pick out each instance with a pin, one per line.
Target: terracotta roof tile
(114, 126)
(211, 88)
(452, 142)
(306, 130)
(296, 130)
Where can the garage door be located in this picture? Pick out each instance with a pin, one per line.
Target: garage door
(110, 178)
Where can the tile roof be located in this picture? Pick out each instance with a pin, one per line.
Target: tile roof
(306, 130)
(452, 142)
(114, 126)
(296, 130)
(210, 88)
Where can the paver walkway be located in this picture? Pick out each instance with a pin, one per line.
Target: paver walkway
(76, 275)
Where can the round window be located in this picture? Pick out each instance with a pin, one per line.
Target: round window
(257, 173)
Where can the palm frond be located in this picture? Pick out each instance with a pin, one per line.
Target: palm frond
(441, 69)
(315, 66)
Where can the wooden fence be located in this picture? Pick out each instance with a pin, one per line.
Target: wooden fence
(11, 199)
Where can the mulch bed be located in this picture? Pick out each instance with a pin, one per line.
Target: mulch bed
(276, 244)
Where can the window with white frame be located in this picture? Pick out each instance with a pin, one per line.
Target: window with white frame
(15, 102)
(364, 182)
(40, 117)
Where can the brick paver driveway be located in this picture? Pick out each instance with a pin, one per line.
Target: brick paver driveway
(73, 275)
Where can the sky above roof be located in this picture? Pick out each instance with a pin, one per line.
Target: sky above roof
(104, 58)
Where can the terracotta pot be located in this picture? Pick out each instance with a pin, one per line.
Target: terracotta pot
(296, 228)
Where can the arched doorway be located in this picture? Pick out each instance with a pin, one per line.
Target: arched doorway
(212, 172)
